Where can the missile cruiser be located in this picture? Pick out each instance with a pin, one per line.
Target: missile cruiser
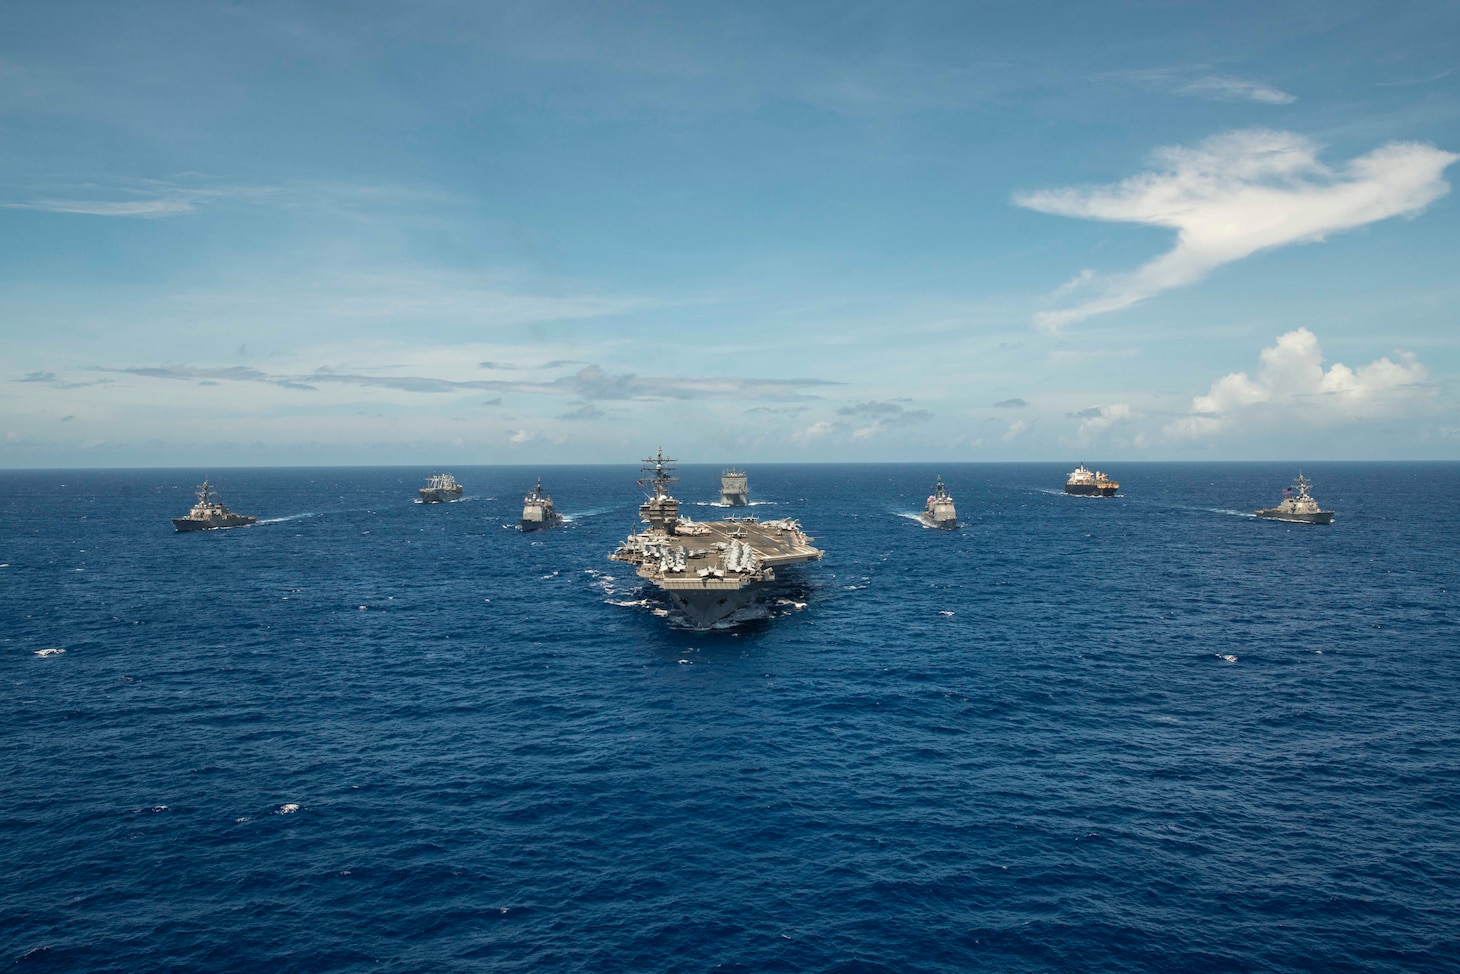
(538, 511)
(940, 512)
(708, 569)
(440, 487)
(734, 488)
(208, 514)
(1297, 505)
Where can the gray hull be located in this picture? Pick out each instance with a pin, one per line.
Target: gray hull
(705, 608)
(429, 496)
(213, 524)
(1320, 517)
(947, 524)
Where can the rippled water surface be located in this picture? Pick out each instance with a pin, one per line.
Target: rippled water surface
(1146, 733)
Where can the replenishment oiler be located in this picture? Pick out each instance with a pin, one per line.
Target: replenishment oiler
(440, 488)
(538, 511)
(208, 514)
(1297, 505)
(708, 569)
(1090, 483)
(734, 488)
(940, 512)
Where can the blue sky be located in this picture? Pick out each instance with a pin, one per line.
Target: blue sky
(432, 233)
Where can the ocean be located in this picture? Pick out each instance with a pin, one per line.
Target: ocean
(1143, 733)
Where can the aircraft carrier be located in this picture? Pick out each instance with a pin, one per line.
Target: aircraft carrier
(708, 569)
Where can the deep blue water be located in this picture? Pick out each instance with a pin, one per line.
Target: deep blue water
(1147, 733)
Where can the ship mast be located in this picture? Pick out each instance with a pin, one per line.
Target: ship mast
(660, 511)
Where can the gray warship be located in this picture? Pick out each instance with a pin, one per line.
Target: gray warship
(1090, 483)
(708, 569)
(439, 488)
(208, 514)
(538, 511)
(940, 512)
(1297, 505)
(734, 488)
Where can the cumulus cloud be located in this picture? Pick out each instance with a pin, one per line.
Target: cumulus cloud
(1016, 429)
(1097, 419)
(1291, 384)
(1234, 195)
(519, 437)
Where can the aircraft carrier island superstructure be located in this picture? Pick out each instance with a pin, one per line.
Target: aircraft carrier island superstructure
(708, 569)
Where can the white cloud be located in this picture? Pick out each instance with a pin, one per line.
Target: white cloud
(1237, 194)
(519, 437)
(1015, 430)
(815, 431)
(1217, 88)
(1293, 387)
(1098, 419)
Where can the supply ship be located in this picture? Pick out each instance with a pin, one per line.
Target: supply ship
(940, 512)
(208, 514)
(1083, 480)
(440, 488)
(734, 488)
(538, 511)
(708, 569)
(1297, 505)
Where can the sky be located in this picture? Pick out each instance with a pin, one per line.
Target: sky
(431, 232)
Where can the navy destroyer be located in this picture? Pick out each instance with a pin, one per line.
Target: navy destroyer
(209, 513)
(1093, 483)
(734, 488)
(708, 569)
(538, 511)
(439, 488)
(940, 512)
(1297, 505)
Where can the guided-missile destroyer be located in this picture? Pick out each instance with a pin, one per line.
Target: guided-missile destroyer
(1297, 505)
(209, 513)
(708, 569)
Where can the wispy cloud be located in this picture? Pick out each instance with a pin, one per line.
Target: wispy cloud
(51, 379)
(1189, 82)
(882, 416)
(1236, 194)
(1292, 385)
(1217, 88)
(1015, 403)
(589, 383)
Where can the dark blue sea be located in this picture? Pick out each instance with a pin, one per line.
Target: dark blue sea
(1145, 733)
